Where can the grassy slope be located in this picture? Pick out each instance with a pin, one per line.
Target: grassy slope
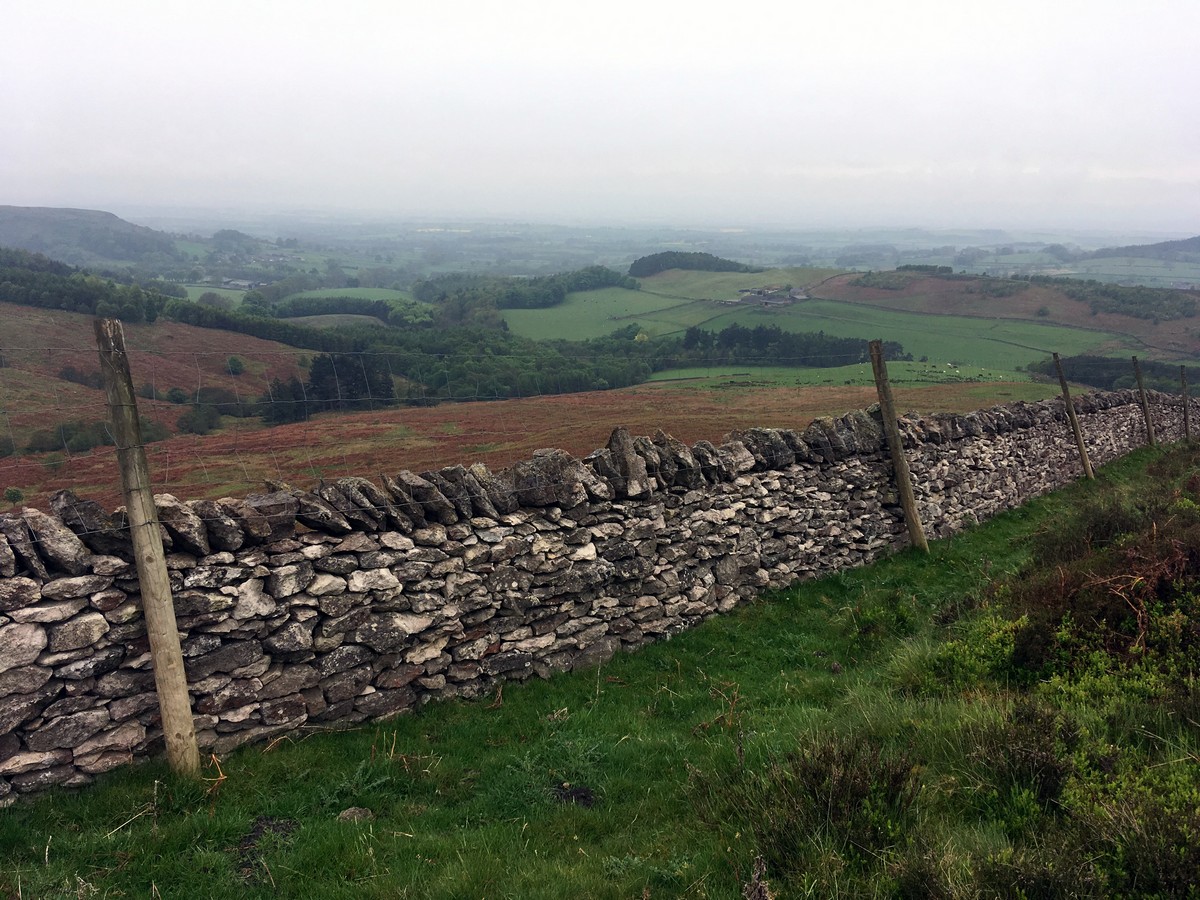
(909, 373)
(668, 742)
(1154, 272)
(196, 291)
(667, 302)
(365, 293)
(978, 343)
(40, 343)
(673, 301)
(1038, 304)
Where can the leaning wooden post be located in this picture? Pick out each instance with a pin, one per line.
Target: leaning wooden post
(170, 677)
(1187, 407)
(1137, 373)
(1074, 420)
(908, 500)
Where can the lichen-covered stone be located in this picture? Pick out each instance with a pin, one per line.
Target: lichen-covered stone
(83, 630)
(57, 544)
(20, 644)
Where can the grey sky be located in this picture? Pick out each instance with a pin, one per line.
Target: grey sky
(1027, 113)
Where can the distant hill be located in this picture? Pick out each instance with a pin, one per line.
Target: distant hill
(1187, 250)
(646, 266)
(83, 236)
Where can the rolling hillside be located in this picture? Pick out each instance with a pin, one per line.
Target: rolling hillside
(239, 457)
(39, 344)
(1016, 331)
(1036, 303)
(83, 236)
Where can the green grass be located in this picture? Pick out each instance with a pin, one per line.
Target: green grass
(667, 302)
(591, 314)
(858, 374)
(696, 285)
(364, 293)
(883, 678)
(970, 342)
(196, 291)
(1153, 272)
(683, 299)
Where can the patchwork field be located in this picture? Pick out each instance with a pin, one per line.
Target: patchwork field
(989, 343)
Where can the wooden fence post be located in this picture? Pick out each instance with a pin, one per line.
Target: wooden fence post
(1074, 420)
(908, 500)
(1137, 373)
(170, 677)
(1187, 408)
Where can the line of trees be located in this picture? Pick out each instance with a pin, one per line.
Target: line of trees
(510, 292)
(1116, 373)
(30, 279)
(480, 364)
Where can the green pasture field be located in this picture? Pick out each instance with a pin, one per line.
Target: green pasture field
(974, 342)
(858, 374)
(667, 302)
(195, 291)
(696, 285)
(1153, 272)
(363, 293)
(193, 248)
(591, 314)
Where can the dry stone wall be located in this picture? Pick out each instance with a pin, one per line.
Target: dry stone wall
(361, 600)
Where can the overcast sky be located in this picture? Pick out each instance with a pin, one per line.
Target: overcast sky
(1024, 113)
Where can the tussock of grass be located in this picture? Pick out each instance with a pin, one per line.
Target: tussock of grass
(876, 734)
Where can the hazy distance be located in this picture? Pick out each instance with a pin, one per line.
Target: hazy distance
(857, 113)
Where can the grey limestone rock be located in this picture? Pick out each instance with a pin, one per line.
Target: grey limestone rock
(551, 478)
(632, 478)
(221, 525)
(318, 514)
(105, 533)
(20, 644)
(56, 543)
(431, 503)
(17, 592)
(17, 533)
(77, 586)
(186, 528)
(687, 470)
(8, 560)
(83, 630)
(498, 490)
(277, 509)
